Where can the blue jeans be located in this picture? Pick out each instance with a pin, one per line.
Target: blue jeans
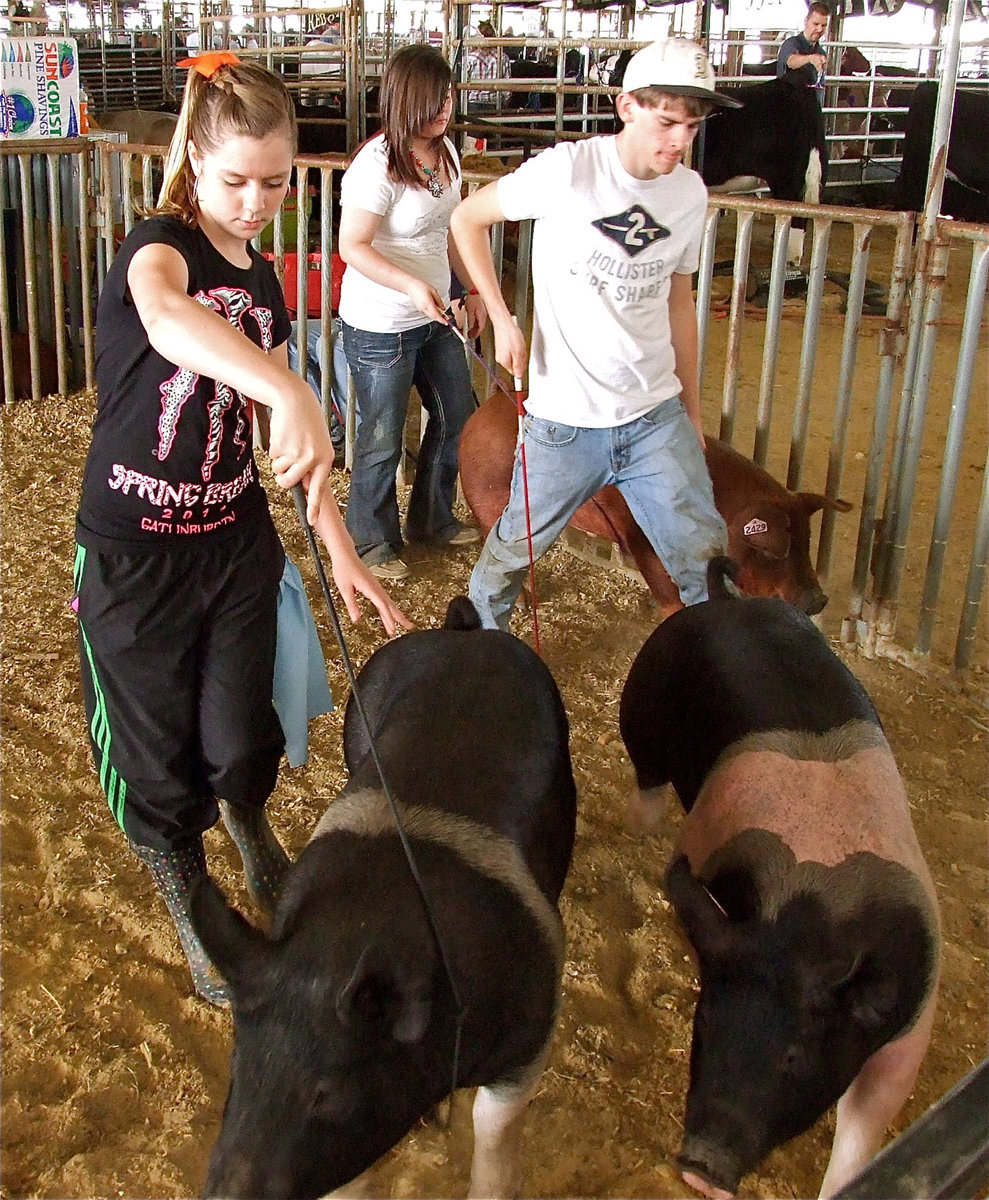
(384, 367)
(338, 381)
(655, 461)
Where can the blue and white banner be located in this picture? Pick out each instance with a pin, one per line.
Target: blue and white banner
(39, 87)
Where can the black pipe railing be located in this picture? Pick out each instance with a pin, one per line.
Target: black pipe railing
(944, 1155)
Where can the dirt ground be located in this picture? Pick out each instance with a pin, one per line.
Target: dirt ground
(114, 1075)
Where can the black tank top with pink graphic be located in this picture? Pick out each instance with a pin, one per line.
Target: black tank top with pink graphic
(172, 456)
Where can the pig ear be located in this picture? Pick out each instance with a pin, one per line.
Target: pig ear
(872, 993)
(873, 1002)
(238, 950)
(812, 501)
(825, 977)
(388, 991)
(768, 531)
(704, 920)
(868, 995)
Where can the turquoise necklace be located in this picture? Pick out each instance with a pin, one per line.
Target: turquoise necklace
(434, 184)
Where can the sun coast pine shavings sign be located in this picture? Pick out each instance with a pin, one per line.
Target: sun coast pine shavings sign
(39, 87)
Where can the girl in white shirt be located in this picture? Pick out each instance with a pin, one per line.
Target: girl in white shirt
(397, 197)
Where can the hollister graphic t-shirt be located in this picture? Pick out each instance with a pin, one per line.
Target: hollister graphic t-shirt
(604, 248)
(171, 456)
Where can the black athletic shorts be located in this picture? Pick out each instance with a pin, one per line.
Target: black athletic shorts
(178, 651)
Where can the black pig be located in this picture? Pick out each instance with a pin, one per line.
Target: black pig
(344, 1018)
(797, 877)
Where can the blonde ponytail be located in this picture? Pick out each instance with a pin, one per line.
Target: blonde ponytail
(223, 98)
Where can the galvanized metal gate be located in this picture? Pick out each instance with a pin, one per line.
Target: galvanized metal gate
(909, 582)
(881, 426)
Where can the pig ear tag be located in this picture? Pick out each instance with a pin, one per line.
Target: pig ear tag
(407, 1022)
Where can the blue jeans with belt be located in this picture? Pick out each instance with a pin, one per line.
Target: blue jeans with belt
(385, 366)
(655, 461)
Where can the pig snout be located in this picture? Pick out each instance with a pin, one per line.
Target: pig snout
(244, 1173)
(693, 1180)
(709, 1168)
(225, 1181)
(231, 1176)
(805, 594)
(812, 601)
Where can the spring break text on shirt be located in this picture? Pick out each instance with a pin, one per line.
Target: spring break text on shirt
(606, 273)
(178, 501)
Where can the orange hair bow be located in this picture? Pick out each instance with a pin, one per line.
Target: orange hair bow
(208, 64)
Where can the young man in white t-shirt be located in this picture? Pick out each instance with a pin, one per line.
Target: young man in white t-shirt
(613, 388)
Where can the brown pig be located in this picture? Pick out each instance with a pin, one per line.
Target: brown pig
(47, 366)
(768, 526)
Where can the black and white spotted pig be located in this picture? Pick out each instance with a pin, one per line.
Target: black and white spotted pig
(344, 1019)
(797, 877)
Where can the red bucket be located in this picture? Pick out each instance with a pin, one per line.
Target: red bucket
(313, 281)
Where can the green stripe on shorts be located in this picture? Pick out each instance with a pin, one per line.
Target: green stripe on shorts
(113, 786)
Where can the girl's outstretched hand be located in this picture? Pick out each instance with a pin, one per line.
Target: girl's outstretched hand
(352, 577)
(349, 573)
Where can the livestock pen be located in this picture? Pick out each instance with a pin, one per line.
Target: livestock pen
(819, 382)
(114, 1075)
(526, 78)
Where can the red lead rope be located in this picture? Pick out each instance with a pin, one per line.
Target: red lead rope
(528, 518)
(451, 321)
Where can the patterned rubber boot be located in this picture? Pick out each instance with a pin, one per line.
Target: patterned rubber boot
(173, 871)
(265, 862)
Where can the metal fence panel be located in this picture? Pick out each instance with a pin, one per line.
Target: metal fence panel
(46, 250)
(806, 388)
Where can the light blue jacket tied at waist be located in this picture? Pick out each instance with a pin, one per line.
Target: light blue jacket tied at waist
(300, 690)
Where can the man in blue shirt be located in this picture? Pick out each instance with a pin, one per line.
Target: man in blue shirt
(804, 48)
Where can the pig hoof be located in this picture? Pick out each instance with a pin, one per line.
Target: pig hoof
(646, 810)
(706, 1189)
(441, 1114)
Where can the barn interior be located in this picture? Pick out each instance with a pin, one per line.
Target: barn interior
(857, 370)
(128, 55)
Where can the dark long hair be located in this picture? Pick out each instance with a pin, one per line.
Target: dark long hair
(414, 88)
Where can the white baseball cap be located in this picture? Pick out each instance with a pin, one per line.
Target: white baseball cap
(679, 67)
